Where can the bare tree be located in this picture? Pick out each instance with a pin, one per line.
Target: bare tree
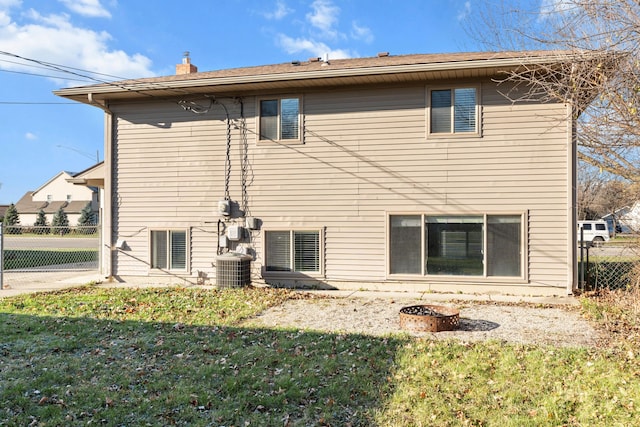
(597, 44)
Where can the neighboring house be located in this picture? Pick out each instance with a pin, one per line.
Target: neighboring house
(55, 194)
(3, 209)
(630, 219)
(406, 172)
(617, 221)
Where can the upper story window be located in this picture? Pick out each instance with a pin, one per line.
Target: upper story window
(453, 111)
(280, 119)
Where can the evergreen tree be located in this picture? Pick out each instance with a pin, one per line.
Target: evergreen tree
(60, 222)
(11, 220)
(86, 220)
(41, 226)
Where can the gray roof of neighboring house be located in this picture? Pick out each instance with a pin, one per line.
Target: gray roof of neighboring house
(27, 206)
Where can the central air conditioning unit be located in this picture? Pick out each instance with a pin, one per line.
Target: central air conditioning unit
(233, 270)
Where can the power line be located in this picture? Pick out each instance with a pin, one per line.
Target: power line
(42, 75)
(74, 71)
(50, 65)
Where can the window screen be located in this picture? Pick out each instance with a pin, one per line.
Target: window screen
(169, 249)
(404, 244)
(280, 119)
(453, 110)
(292, 251)
(159, 249)
(278, 251)
(440, 111)
(269, 119)
(503, 245)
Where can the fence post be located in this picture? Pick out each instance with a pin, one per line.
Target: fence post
(1, 257)
(581, 278)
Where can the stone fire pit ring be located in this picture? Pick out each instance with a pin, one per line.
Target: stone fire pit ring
(429, 318)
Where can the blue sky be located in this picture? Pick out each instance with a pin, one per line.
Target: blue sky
(41, 134)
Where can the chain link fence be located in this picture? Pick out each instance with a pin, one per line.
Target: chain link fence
(608, 266)
(41, 254)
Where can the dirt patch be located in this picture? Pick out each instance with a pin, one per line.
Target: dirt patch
(557, 326)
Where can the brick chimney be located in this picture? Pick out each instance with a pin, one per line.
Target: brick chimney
(186, 67)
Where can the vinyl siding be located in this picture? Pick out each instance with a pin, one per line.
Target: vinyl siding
(366, 153)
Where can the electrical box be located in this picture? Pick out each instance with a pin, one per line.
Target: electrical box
(223, 242)
(235, 232)
(224, 207)
(251, 222)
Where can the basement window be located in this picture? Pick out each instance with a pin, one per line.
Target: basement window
(279, 119)
(293, 251)
(456, 245)
(169, 249)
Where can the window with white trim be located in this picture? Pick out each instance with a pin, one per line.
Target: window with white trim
(292, 251)
(453, 111)
(456, 245)
(169, 249)
(279, 119)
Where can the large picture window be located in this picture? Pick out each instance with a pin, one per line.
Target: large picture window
(456, 245)
(453, 111)
(169, 249)
(293, 251)
(280, 119)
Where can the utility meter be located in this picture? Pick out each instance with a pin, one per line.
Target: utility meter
(224, 207)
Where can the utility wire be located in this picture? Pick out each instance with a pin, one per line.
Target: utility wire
(77, 72)
(42, 75)
(59, 67)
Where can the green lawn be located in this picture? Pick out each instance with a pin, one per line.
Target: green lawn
(179, 357)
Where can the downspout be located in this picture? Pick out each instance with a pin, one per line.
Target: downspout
(572, 284)
(107, 246)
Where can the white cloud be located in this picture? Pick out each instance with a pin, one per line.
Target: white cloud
(30, 136)
(6, 4)
(55, 39)
(324, 17)
(361, 33)
(465, 11)
(322, 29)
(551, 7)
(91, 8)
(314, 48)
(280, 11)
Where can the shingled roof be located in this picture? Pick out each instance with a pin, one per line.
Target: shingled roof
(26, 205)
(316, 72)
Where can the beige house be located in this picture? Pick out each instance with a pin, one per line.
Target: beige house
(54, 194)
(393, 172)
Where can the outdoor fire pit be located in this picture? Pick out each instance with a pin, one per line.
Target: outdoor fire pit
(429, 318)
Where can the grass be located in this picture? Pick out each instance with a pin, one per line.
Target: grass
(181, 357)
(15, 259)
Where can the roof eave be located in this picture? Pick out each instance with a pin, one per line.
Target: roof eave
(325, 76)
